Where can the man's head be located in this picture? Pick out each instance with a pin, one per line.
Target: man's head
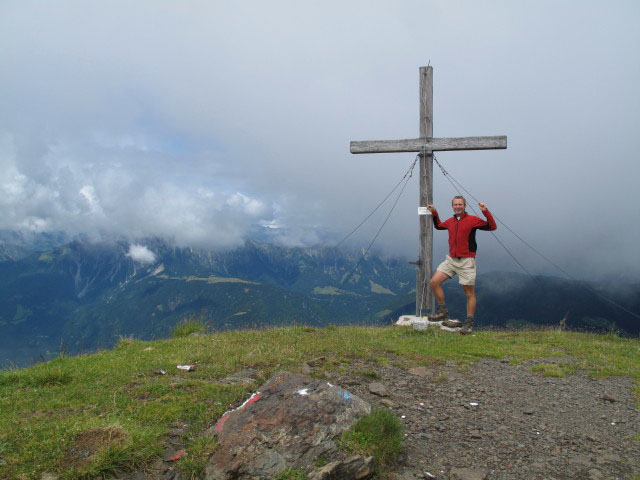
(459, 204)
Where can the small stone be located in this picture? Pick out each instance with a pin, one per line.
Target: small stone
(595, 474)
(388, 403)
(468, 474)
(158, 465)
(356, 467)
(420, 371)
(317, 362)
(171, 475)
(608, 458)
(305, 369)
(138, 476)
(406, 476)
(244, 377)
(475, 434)
(580, 460)
(528, 411)
(608, 398)
(49, 476)
(171, 455)
(378, 389)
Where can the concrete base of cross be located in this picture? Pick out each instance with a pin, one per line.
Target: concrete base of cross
(422, 323)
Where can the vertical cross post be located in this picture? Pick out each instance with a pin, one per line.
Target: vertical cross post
(424, 295)
(425, 145)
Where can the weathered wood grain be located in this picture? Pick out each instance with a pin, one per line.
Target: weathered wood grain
(424, 295)
(432, 144)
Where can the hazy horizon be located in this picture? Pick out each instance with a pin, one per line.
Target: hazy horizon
(197, 121)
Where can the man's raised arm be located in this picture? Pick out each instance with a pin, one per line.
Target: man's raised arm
(436, 218)
(491, 223)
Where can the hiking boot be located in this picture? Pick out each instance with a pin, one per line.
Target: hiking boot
(467, 328)
(452, 323)
(443, 314)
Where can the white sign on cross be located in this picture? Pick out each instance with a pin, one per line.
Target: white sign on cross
(426, 144)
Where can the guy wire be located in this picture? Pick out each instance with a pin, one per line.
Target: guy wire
(408, 172)
(408, 176)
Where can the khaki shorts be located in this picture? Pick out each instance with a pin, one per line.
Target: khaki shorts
(465, 267)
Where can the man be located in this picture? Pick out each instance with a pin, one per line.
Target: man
(461, 259)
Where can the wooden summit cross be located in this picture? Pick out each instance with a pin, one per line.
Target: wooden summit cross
(426, 145)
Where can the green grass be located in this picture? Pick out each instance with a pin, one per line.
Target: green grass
(554, 369)
(201, 447)
(291, 474)
(45, 410)
(378, 434)
(371, 374)
(187, 327)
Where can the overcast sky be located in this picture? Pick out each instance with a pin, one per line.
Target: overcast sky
(198, 120)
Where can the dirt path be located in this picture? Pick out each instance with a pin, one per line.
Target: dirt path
(499, 421)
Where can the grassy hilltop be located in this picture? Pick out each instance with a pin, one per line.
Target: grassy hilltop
(92, 415)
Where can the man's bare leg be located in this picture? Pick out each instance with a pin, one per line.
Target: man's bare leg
(436, 285)
(469, 291)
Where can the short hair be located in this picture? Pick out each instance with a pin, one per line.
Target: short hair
(461, 198)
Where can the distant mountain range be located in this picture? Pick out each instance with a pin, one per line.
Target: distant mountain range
(81, 296)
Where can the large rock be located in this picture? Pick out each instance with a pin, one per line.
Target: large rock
(289, 423)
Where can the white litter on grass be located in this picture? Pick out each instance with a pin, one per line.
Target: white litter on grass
(329, 384)
(473, 404)
(403, 416)
(430, 475)
(421, 404)
(303, 391)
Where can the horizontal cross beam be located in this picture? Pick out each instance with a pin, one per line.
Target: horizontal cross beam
(429, 144)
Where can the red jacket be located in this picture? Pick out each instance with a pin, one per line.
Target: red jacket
(462, 232)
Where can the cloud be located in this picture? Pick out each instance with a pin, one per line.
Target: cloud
(248, 205)
(141, 254)
(200, 120)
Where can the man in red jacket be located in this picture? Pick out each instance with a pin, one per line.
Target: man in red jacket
(461, 259)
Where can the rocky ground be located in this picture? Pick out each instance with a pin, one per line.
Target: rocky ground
(488, 420)
(495, 420)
